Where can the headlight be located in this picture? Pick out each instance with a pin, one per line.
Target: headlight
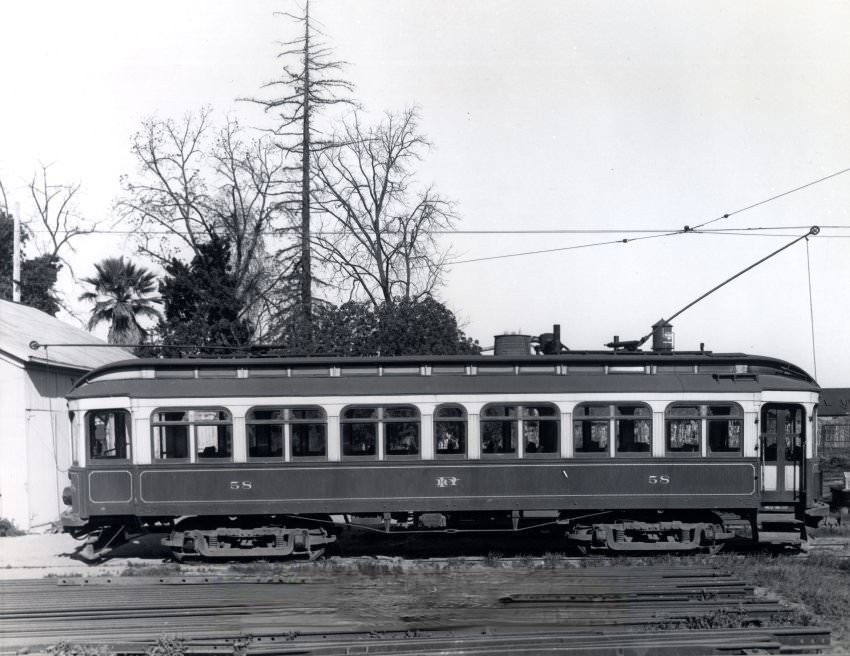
(68, 495)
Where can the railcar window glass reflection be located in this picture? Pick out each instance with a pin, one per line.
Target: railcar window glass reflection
(591, 428)
(267, 429)
(540, 429)
(265, 432)
(503, 425)
(633, 428)
(108, 434)
(359, 428)
(499, 429)
(171, 435)
(401, 431)
(687, 424)
(213, 433)
(207, 433)
(595, 424)
(725, 428)
(684, 429)
(309, 432)
(399, 426)
(450, 431)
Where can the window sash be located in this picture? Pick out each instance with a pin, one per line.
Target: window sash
(196, 436)
(111, 440)
(690, 428)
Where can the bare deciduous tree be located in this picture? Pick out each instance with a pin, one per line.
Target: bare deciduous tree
(195, 182)
(378, 228)
(309, 81)
(57, 213)
(52, 233)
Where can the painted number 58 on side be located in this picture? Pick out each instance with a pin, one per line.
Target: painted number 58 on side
(659, 479)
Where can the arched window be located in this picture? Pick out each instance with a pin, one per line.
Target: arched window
(503, 426)
(541, 429)
(450, 431)
(180, 432)
(687, 425)
(270, 430)
(597, 425)
(398, 427)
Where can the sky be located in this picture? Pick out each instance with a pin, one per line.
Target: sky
(601, 118)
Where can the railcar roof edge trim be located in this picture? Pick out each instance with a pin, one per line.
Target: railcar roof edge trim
(773, 366)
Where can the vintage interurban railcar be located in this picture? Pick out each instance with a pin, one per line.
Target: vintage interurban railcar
(615, 450)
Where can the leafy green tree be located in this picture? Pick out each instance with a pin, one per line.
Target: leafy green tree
(426, 326)
(402, 327)
(202, 303)
(38, 274)
(123, 292)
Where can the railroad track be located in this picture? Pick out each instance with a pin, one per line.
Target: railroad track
(600, 611)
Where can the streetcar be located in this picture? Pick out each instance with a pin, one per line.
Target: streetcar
(610, 450)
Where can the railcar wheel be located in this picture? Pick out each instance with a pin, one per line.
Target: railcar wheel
(197, 540)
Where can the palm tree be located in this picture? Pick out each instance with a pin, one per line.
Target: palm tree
(122, 293)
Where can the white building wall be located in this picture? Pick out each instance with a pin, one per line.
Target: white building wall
(48, 442)
(14, 501)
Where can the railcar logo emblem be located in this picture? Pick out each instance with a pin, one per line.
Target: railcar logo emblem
(447, 481)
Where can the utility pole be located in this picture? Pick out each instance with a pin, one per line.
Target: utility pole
(16, 255)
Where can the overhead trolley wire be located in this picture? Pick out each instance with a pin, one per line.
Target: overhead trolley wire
(685, 230)
(564, 248)
(772, 198)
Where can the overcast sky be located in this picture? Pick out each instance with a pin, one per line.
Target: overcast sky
(564, 115)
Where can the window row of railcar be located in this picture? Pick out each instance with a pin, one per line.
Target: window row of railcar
(397, 431)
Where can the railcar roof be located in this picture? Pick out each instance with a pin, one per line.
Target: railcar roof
(585, 371)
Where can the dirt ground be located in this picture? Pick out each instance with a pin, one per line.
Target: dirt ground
(51, 554)
(817, 583)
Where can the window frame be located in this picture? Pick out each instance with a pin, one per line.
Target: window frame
(704, 417)
(463, 420)
(380, 421)
(519, 419)
(385, 421)
(88, 417)
(736, 415)
(554, 418)
(286, 423)
(191, 425)
(612, 418)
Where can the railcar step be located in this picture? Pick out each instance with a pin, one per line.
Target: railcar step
(780, 537)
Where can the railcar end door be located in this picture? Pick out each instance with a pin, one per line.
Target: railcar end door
(782, 451)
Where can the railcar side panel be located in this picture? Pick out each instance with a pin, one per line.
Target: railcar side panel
(423, 486)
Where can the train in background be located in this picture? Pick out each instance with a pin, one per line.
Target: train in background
(614, 450)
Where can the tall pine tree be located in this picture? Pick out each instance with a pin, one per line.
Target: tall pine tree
(308, 82)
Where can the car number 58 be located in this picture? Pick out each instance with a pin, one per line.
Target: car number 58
(659, 479)
(241, 485)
